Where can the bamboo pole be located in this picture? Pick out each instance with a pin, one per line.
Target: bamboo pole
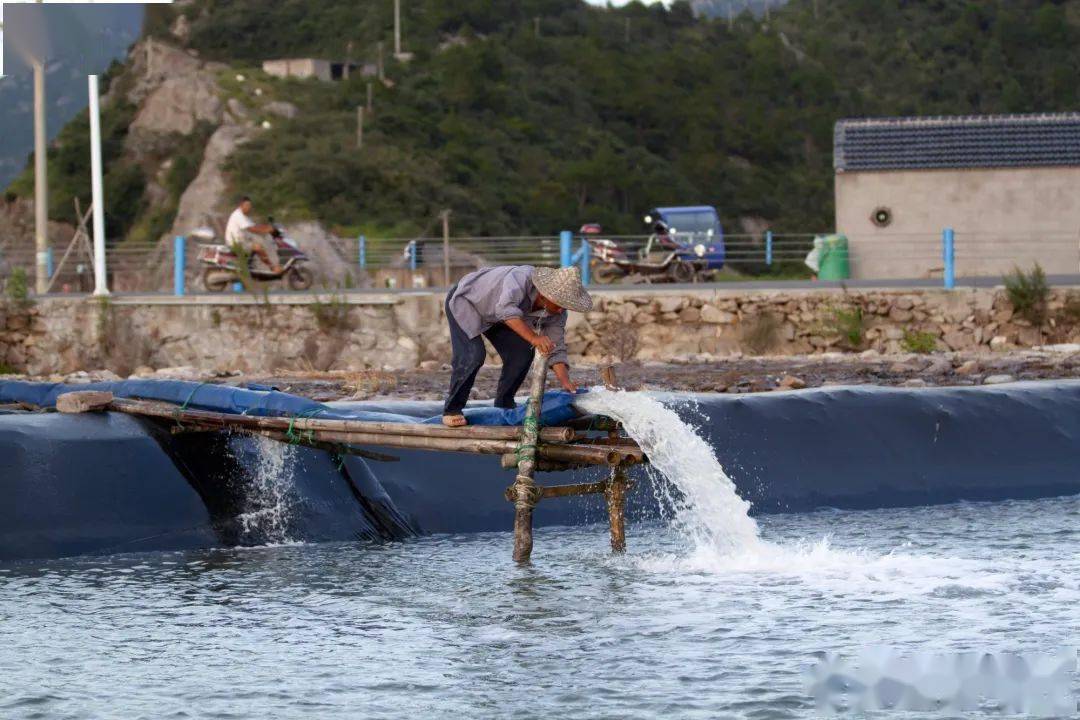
(160, 409)
(615, 494)
(526, 494)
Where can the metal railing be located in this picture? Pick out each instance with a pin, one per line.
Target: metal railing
(171, 267)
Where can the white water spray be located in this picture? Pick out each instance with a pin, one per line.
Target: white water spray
(708, 510)
(270, 495)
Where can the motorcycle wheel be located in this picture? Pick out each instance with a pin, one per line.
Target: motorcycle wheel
(215, 280)
(300, 278)
(605, 274)
(682, 272)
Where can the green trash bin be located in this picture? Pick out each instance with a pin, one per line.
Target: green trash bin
(834, 258)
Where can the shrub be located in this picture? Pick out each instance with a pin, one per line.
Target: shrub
(918, 341)
(18, 288)
(1071, 310)
(618, 339)
(760, 334)
(332, 314)
(1028, 293)
(848, 323)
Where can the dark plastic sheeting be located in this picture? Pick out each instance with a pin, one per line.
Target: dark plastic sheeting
(110, 483)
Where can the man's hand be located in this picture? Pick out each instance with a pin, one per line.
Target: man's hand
(543, 344)
(562, 372)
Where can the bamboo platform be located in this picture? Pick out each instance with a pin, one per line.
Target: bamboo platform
(528, 449)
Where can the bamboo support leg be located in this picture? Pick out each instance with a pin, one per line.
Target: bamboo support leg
(526, 494)
(616, 505)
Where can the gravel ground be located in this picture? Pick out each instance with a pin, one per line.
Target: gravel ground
(735, 375)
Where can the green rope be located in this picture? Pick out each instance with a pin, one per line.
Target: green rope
(184, 405)
(305, 435)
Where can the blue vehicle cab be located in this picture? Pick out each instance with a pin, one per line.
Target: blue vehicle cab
(694, 231)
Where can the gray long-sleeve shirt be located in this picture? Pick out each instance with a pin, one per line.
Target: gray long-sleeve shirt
(496, 294)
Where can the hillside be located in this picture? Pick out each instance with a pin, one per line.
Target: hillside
(598, 116)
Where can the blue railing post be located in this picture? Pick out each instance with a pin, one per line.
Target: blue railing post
(412, 254)
(948, 251)
(585, 278)
(768, 247)
(48, 262)
(565, 239)
(179, 264)
(361, 243)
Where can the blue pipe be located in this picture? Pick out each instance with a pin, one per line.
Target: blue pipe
(948, 250)
(565, 240)
(179, 264)
(585, 278)
(362, 251)
(768, 247)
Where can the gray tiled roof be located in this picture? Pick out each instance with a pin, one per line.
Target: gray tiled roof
(975, 141)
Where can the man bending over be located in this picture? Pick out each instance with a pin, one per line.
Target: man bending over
(520, 309)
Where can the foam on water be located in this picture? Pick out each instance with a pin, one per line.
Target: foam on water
(721, 537)
(269, 494)
(707, 508)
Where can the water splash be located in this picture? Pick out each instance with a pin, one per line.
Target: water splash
(270, 494)
(706, 507)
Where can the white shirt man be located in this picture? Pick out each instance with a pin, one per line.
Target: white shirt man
(239, 229)
(236, 229)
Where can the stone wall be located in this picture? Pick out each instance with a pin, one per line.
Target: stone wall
(358, 331)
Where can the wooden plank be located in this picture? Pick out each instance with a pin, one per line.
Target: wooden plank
(81, 401)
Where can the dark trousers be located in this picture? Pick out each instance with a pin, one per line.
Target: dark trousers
(469, 355)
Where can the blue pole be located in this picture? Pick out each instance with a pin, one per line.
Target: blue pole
(179, 264)
(768, 247)
(412, 255)
(585, 279)
(565, 239)
(48, 262)
(948, 249)
(362, 251)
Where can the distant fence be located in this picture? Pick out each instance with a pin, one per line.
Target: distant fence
(403, 263)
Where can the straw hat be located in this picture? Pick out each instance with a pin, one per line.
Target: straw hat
(563, 287)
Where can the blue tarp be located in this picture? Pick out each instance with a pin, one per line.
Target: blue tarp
(557, 407)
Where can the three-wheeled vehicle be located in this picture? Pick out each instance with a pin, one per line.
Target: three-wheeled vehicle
(685, 244)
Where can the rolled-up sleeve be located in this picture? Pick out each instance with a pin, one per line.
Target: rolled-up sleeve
(555, 329)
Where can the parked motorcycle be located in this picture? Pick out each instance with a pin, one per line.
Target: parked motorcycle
(660, 260)
(221, 264)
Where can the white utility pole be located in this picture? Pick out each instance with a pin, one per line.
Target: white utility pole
(97, 194)
(41, 185)
(397, 28)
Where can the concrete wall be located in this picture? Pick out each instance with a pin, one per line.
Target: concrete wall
(298, 68)
(1002, 218)
(401, 331)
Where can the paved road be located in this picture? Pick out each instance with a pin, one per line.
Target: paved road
(387, 295)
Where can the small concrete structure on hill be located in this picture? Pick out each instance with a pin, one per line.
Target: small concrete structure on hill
(1007, 185)
(325, 70)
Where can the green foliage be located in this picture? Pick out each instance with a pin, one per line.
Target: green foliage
(331, 315)
(1028, 293)
(68, 162)
(6, 369)
(18, 287)
(519, 134)
(918, 341)
(848, 323)
(760, 334)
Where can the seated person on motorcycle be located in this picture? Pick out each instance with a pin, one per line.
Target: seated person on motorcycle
(238, 237)
(519, 309)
